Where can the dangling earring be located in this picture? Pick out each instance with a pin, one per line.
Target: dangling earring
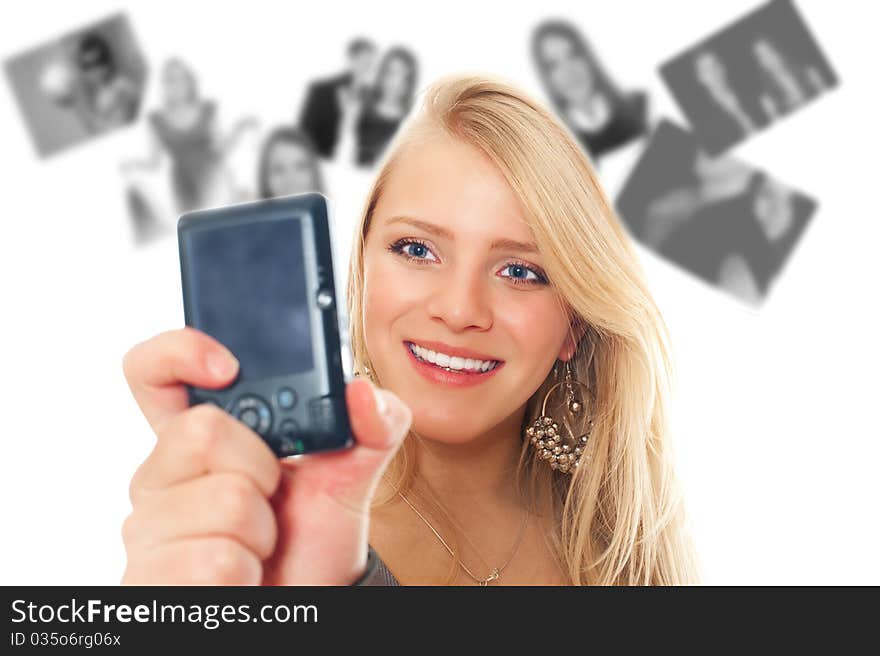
(562, 453)
(367, 372)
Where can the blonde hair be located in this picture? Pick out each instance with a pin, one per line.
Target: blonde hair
(618, 517)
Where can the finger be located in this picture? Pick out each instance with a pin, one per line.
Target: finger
(205, 439)
(158, 369)
(379, 421)
(196, 561)
(378, 431)
(227, 505)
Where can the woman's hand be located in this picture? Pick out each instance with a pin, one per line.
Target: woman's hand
(213, 505)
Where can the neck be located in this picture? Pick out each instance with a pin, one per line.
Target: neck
(480, 471)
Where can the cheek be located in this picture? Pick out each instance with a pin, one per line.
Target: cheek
(534, 332)
(387, 297)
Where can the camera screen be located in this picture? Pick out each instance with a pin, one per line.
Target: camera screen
(248, 287)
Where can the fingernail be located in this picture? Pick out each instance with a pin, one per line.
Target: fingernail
(222, 364)
(381, 404)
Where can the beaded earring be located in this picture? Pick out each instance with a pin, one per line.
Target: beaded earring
(562, 453)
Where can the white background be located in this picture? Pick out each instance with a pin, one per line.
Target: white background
(775, 411)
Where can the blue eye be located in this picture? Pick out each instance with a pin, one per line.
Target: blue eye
(520, 274)
(411, 249)
(417, 251)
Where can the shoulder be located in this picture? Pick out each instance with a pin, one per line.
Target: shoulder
(328, 85)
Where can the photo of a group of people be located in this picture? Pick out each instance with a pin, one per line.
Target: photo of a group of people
(80, 85)
(353, 115)
(92, 81)
(728, 223)
(743, 78)
(348, 118)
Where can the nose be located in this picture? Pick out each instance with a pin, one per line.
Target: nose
(462, 300)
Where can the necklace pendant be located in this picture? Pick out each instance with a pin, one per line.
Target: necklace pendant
(495, 575)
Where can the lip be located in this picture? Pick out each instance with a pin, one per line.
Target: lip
(450, 378)
(452, 350)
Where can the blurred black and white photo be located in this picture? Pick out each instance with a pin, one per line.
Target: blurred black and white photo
(748, 75)
(729, 224)
(585, 97)
(352, 116)
(288, 164)
(322, 110)
(387, 104)
(81, 85)
(185, 167)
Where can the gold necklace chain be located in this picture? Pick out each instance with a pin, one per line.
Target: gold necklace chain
(496, 572)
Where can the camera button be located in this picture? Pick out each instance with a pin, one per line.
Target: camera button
(251, 418)
(253, 412)
(289, 428)
(290, 442)
(286, 398)
(325, 299)
(323, 412)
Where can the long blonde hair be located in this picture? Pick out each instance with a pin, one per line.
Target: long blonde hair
(618, 518)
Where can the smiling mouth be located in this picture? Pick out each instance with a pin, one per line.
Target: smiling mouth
(453, 364)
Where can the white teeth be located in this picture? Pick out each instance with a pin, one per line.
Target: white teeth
(455, 363)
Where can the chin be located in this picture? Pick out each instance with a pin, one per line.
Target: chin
(444, 427)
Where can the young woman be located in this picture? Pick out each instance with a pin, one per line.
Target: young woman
(185, 134)
(386, 109)
(288, 164)
(597, 112)
(487, 267)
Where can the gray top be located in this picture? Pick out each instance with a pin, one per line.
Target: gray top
(381, 575)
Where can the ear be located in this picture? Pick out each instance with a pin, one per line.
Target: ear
(572, 339)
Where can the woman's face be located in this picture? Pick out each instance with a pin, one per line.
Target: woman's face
(774, 209)
(568, 72)
(395, 79)
(466, 285)
(289, 169)
(176, 85)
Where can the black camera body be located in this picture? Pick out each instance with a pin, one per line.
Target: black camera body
(258, 277)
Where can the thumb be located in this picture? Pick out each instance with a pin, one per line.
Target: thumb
(379, 419)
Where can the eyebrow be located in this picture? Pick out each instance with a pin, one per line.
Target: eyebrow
(440, 231)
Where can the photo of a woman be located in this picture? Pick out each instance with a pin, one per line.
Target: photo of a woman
(584, 95)
(288, 164)
(740, 243)
(387, 107)
(728, 223)
(186, 130)
(510, 406)
(188, 151)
